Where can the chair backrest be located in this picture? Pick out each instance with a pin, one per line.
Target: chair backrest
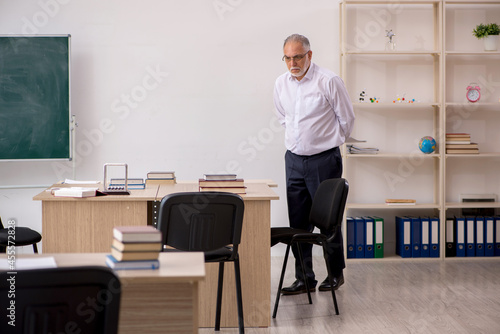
(328, 205)
(60, 300)
(201, 221)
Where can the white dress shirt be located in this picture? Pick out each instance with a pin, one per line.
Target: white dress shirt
(316, 111)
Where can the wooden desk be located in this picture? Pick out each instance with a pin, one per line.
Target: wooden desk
(85, 225)
(153, 301)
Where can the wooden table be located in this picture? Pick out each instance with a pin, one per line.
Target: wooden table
(153, 301)
(85, 225)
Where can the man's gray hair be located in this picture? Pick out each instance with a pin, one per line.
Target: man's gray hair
(298, 38)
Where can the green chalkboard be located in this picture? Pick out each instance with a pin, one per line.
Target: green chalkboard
(34, 97)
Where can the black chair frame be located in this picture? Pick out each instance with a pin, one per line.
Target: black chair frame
(209, 222)
(331, 220)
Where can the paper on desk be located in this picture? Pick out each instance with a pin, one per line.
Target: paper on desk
(69, 181)
(29, 263)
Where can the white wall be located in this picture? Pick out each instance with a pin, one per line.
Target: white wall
(207, 107)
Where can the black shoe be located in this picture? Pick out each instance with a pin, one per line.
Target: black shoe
(337, 282)
(299, 287)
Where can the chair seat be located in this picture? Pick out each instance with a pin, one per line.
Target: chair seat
(24, 236)
(285, 235)
(221, 254)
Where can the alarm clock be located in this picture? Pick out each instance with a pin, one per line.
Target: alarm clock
(473, 93)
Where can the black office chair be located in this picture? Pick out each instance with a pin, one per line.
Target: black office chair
(326, 214)
(207, 222)
(60, 300)
(23, 236)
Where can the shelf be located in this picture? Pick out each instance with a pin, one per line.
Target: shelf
(392, 105)
(395, 258)
(384, 206)
(391, 2)
(479, 155)
(478, 205)
(394, 155)
(476, 2)
(472, 53)
(394, 53)
(476, 104)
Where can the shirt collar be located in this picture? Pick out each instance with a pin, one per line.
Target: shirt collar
(308, 75)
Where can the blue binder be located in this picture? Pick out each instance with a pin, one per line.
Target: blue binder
(369, 239)
(434, 237)
(359, 224)
(351, 238)
(451, 242)
(425, 229)
(403, 236)
(460, 236)
(497, 236)
(489, 236)
(479, 233)
(470, 238)
(416, 237)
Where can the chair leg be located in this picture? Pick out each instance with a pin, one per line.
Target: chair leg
(304, 273)
(35, 249)
(330, 278)
(239, 298)
(219, 296)
(278, 294)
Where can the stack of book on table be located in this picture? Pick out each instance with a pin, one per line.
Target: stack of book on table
(135, 247)
(222, 182)
(460, 143)
(161, 177)
(352, 149)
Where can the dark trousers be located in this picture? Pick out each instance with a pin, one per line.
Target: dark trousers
(303, 176)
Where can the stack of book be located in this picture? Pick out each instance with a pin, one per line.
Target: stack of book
(135, 247)
(400, 201)
(460, 143)
(352, 149)
(222, 182)
(161, 177)
(132, 183)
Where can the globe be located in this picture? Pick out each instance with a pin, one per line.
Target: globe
(427, 144)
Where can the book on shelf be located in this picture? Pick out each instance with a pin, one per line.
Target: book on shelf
(161, 175)
(400, 201)
(139, 264)
(78, 192)
(352, 149)
(466, 146)
(134, 256)
(457, 134)
(137, 246)
(221, 183)
(234, 190)
(462, 151)
(458, 138)
(146, 233)
(219, 177)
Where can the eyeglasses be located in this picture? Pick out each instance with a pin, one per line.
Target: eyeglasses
(295, 58)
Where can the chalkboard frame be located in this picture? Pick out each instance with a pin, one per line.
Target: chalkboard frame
(48, 132)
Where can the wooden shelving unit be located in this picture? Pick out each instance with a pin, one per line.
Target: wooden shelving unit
(433, 63)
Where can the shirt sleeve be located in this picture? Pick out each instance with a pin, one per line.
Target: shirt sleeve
(280, 112)
(342, 106)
